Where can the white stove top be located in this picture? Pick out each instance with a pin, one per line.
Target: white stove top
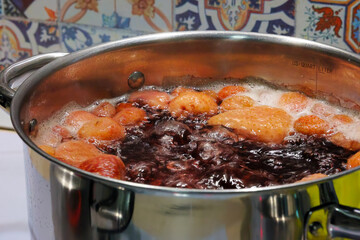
(13, 216)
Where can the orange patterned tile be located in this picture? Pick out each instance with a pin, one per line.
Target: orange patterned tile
(333, 22)
(276, 17)
(143, 15)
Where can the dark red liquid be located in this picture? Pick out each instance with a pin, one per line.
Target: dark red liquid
(189, 154)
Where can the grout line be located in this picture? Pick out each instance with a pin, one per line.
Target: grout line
(174, 16)
(58, 10)
(107, 28)
(15, 18)
(59, 24)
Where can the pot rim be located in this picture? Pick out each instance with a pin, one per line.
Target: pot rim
(74, 57)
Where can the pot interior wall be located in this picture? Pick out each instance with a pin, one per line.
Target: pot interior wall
(197, 61)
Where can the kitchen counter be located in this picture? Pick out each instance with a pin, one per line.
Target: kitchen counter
(13, 216)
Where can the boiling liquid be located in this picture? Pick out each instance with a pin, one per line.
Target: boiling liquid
(190, 154)
(194, 155)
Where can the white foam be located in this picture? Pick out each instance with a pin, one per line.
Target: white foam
(45, 135)
(262, 94)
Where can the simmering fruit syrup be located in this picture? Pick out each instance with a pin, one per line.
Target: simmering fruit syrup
(228, 137)
(189, 154)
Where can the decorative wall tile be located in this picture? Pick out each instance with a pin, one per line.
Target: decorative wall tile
(334, 22)
(331, 22)
(46, 36)
(22, 39)
(276, 16)
(143, 15)
(32, 9)
(76, 37)
(148, 15)
(92, 12)
(352, 37)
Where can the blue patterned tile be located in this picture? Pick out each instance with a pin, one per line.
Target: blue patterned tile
(22, 39)
(11, 10)
(94, 12)
(31, 9)
(276, 17)
(330, 22)
(115, 21)
(1, 7)
(46, 37)
(76, 37)
(353, 32)
(14, 45)
(148, 15)
(138, 15)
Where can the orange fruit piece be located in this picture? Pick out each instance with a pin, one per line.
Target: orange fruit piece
(48, 149)
(122, 106)
(177, 91)
(230, 90)
(105, 109)
(192, 103)
(74, 152)
(293, 101)
(101, 128)
(262, 123)
(237, 102)
(322, 110)
(152, 98)
(212, 94)
(76, 119)
(105, 165)
(130, 116)
(311, 125)
(353, 161)
(341, 140)
(339, 119)
(313, 177)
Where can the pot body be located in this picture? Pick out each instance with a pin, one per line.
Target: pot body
(67, 203)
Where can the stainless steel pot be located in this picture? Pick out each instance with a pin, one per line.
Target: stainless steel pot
(68, 203)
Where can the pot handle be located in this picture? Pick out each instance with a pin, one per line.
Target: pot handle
(333, 220)
(8, 75)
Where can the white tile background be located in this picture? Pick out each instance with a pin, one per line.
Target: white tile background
(13, 215)
(4, 119)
